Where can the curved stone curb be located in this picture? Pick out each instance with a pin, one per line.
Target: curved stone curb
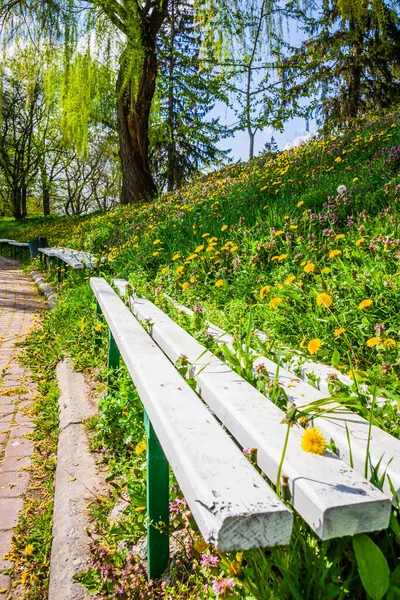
(76, 483)
(45, 288)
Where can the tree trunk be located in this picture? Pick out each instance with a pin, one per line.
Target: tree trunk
(355, 73)
(23, 201)
(171, 141)
(133, 112)
(46, 202)
(16, 202)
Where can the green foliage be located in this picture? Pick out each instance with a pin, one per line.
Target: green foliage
(348, 61)
(372, 566)
(237, 238)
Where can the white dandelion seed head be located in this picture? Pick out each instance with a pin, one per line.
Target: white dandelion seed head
(341, 189)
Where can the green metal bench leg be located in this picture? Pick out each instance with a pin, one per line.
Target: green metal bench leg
(157, 504)
(97, 339)
(113, 362)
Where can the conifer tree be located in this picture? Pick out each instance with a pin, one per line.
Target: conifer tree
(349, 62)
(184, 139)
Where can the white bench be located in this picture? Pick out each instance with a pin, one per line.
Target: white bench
(73, 258)
(4, 242)
(331, 497)
(18, 245)
(233, 506)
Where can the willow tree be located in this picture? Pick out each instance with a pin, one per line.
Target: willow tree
(128, 30)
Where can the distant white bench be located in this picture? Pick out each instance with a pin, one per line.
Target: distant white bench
(331, 497)
(4, 242)
(15, 246)
(73, 258)
(233, 506)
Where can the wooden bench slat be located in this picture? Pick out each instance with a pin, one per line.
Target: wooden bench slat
(333, 499)
(231, 503)
(384, 448)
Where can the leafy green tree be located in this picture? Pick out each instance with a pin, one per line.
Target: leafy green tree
(184, 138)
(22, 110)
(349, 61)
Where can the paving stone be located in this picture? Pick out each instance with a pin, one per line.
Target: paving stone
(19, 431)
(9, 510)
(7, 418)
(5, 542)
(13, 483)
(19, 447)
(23, 419)
(5, 584)
(15, 464)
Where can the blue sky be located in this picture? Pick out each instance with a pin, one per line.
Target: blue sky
(239, 144)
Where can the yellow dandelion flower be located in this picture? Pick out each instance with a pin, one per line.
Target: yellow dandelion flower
(355, 179)
(338, 159)
(98, 327)
(289, 279)
(29, 549)
(389, 343)
(309, 268)
(274, 303)
(234, 568)
(339, 236)
(179, 270)
(324, 300)
(199, 249)
(224, 227)
(156, 253)
(339, 331)
(219, 283)
(314, 346)
(157, 242)
(279, 232)
(140, 447)
(205, 235)
(365, 304)
(282, 256)
(264, 291)
(313, 441)
(360, 241)
(300, 203)
(374, 341)
(185, 285)
(275, 258)
(176, 256)
(304, 262)
(293, 227)
(164, 270)
(334, 253)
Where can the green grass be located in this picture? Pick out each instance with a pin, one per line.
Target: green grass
(256, 243)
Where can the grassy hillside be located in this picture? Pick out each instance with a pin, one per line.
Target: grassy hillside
(303, 244)
(273, 234)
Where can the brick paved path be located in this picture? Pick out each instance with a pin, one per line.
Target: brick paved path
(20, 305)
